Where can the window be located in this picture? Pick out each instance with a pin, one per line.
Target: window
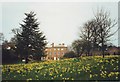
(54, 48)
(50, 53)
(54, 52)
(61, 48)
(63, 53)
(58, 48)
(58, 53)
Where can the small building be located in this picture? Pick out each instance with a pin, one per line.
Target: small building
(113, 50)
(55, 52)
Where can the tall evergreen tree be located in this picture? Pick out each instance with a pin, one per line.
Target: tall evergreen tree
(30, 40)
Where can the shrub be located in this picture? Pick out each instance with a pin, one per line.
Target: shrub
(70, 54)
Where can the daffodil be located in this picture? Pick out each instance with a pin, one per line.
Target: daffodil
(90, 75)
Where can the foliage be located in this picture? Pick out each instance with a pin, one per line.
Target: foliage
(30, 41)
(84, 68)
(70, 54)
(8, 52)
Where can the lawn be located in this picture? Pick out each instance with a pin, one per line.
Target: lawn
(84, 68)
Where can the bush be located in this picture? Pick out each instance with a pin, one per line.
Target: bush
(70, 54)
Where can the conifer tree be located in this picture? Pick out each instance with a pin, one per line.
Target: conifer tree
(30, 40)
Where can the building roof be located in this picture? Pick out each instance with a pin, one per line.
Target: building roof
(54, 45)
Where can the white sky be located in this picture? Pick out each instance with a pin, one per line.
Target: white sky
(60, 21)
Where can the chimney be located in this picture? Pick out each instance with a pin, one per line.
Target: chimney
(63, 44)
(52, 44)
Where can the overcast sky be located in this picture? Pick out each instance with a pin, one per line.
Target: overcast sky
(60, 21)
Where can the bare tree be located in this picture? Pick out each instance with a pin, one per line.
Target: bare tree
(94, 37)
(104, 25)
(17, 32)
(1, 37)
(79, 47)
(86, 35)
(97, 32)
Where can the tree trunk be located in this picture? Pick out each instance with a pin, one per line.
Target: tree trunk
(26, 60)
(103, 53)
(103, 48)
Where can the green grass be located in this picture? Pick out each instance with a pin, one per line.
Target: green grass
(84, 68)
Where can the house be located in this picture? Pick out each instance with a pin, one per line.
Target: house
(113, 50)
(55, 52)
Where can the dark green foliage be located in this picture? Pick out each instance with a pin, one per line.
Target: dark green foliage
(70, 54)
(30, 40)
(8, 54)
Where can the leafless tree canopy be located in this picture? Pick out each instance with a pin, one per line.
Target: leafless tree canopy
(97, 31)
